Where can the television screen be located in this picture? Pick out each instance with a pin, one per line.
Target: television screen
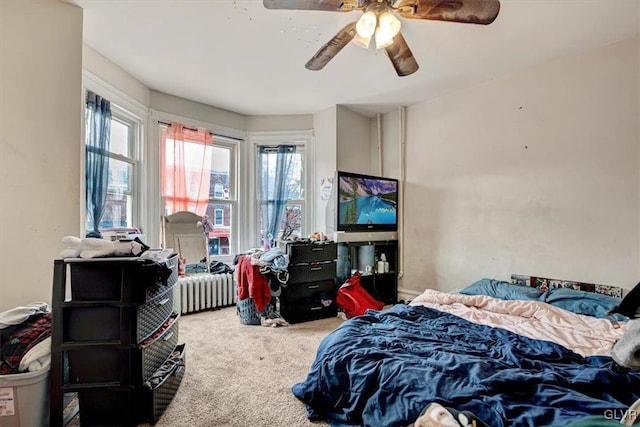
(366, 203)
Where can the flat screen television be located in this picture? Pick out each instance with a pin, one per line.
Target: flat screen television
(366, 203)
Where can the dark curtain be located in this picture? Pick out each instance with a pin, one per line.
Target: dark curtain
(98, 130)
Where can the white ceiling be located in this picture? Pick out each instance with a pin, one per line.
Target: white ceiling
(239, 56)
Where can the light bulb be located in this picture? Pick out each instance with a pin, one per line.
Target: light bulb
(388, 28)
(365, 27)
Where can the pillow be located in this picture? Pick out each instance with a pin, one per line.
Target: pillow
(581, 302)
(502, 290)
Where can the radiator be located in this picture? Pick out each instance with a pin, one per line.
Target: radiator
(203, 292)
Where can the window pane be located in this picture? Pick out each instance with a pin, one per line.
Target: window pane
(118, 210)
(191, 159)
(294, 185)
(219, 238)
(291, 224)
(119, 143)
(220, 183)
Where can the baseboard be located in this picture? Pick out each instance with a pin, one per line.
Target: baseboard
(407, 295)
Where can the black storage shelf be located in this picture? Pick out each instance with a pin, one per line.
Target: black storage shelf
(354, 255)
(311, 288)
(113, 329)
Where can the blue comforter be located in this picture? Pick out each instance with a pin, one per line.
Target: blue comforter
(383, 368)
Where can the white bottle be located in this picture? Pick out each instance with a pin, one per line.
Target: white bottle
(380, 266)
(385, 264)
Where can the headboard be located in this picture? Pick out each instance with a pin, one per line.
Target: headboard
(183, 235)
(545, 283)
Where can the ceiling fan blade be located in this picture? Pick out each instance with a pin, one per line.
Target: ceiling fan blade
(326, 5)
(331, 49)
(401, 56)
(482, 12)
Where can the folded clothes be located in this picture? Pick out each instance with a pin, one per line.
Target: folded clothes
(37, 358)
(22, 340)
(18, 315)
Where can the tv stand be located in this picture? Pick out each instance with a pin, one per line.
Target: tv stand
(362, 254)
(364, 236)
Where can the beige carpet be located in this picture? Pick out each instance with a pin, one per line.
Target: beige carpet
(239, 375)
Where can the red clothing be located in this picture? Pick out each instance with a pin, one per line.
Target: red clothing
(252, 284)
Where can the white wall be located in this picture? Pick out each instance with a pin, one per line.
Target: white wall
(291, 122)
(103, 68)
(41, 120)
(353, 141)
(196, 111)
(325, 127)
(535, 173)
(390, 144)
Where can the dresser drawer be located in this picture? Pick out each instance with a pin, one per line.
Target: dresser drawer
(125, 365)
(105, 322)
(309, 291)
(312, 272)
(308, 301)
(311, 252)
(128, 281)
(306, 312)
(135, 405)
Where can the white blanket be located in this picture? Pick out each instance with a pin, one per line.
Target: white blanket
(585, 335)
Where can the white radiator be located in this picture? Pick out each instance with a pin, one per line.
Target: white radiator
(203, 292)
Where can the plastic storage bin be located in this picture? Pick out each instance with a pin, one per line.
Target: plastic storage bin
(24, 399)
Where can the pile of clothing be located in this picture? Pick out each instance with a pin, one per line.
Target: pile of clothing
(260, 275)
(25, 339)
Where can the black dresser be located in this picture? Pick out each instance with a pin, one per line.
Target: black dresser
(311, 288)
(114, 340)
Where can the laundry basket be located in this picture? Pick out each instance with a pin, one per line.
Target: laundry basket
(24, 399)
(248, 312)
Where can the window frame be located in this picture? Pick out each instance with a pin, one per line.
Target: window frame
(120, 115)
(232, 140)
(302, 139)
(130, 112)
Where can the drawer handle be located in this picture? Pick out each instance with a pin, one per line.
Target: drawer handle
(164, 301)
(317, 249)
(315, 268)
(168, 336)
(316, 308)
(313, 287)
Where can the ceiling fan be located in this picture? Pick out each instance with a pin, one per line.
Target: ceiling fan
(379, 21)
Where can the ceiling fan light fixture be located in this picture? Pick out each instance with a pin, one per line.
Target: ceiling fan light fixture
(365, 28)
(361, 41)
(388, 28)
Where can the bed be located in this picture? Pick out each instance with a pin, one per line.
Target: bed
(510, 355)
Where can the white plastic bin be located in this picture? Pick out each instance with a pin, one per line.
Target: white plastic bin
(24, 399)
